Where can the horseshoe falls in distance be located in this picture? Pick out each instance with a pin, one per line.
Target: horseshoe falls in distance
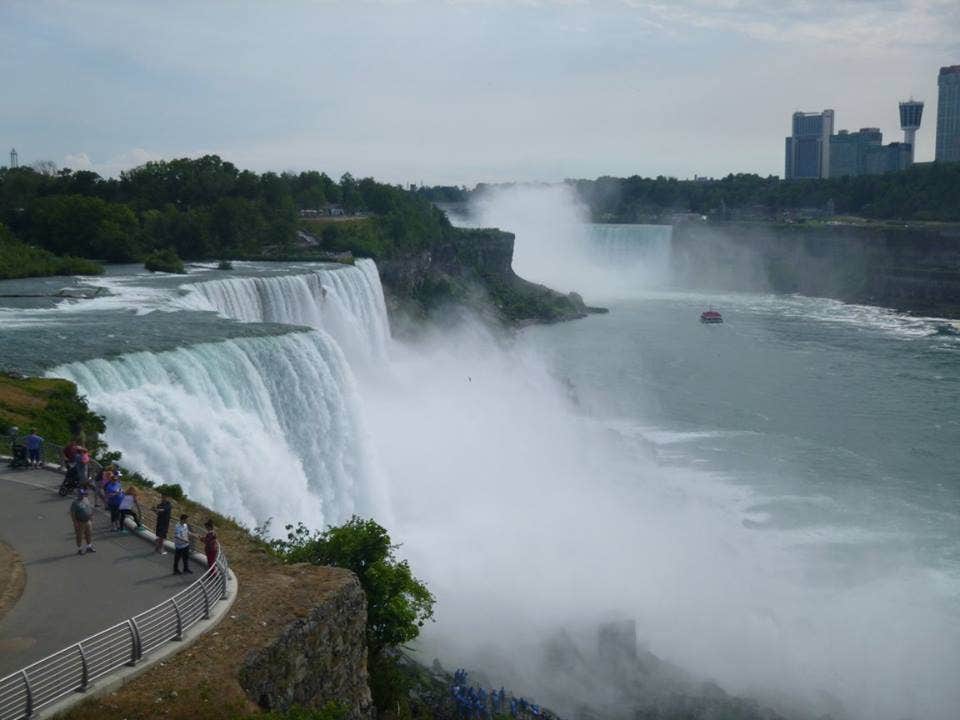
(257, 427)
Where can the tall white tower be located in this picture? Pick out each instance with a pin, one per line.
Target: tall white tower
(14, 158)
(910, 113)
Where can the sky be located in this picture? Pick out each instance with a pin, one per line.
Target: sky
(460, 91)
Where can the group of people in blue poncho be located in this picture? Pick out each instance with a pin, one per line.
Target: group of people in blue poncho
(477, 703)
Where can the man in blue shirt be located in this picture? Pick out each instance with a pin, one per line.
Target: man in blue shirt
(33, 442)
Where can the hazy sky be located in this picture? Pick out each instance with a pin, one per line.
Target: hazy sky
(460, 92)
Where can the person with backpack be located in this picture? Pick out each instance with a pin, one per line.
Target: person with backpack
(82, 515)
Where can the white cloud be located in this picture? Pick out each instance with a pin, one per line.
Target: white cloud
(113, 166)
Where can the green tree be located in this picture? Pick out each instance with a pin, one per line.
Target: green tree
(398, 604)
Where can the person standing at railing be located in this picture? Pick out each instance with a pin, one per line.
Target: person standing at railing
(130, 507)
(82, 515)
(34, 443)
(181, 546)
(211, 546)
(163, 510)
(114, 496)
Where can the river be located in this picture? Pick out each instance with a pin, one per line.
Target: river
(775, 501)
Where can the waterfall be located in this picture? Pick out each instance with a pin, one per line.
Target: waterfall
(255, 427)
(347, 302)
(643, 251)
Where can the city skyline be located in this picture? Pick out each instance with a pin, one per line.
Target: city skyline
(461, 92)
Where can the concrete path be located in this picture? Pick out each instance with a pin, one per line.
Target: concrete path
(68, 596)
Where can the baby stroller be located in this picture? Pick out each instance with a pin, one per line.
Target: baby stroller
(70, 481)
(19, 456)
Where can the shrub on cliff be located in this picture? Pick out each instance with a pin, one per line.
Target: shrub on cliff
(398, 604)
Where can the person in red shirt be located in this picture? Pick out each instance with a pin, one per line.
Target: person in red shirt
(211, 546)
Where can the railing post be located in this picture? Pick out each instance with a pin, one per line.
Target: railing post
(28, 710)
(84, 678)
(176, 610)
(134, 641)
(221, 566)
(206, 601)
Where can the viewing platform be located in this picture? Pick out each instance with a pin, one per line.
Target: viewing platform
(84, 617)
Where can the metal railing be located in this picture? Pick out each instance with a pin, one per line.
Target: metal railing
(73, 669)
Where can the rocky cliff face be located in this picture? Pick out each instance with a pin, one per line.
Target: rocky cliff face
(914, 269)
(472, 268)
(317, 659)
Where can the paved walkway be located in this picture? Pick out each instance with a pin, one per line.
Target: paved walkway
(67, 596)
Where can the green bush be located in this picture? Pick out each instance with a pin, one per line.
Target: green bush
(19, 260)
(172, 491)
(398, 604)
(165, 260)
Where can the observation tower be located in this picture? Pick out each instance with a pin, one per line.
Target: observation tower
(910, 113)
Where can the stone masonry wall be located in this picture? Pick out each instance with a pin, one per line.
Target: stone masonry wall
(319, 658)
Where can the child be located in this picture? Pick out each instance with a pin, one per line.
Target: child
(181, 546)
(211, 547)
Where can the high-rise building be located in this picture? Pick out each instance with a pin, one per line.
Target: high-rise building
(948, 115)
(14, 158)
(911, 111)
(808, 147)
(888, 158)
(848, 151)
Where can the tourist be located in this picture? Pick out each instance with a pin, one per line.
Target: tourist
(113, 494)
(33, 442)
(181, 546)
(163, 510)
(69, 454)
(82, 458)
(82, 515)
(130, 507)
(211, 546)
(106, 476)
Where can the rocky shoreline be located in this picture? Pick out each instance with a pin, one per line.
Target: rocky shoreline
(472, 269)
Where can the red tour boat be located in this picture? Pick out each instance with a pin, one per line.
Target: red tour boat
(710, 317)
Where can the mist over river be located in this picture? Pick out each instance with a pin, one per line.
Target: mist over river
(774, 501)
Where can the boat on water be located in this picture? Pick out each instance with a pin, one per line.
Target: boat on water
(711, 317)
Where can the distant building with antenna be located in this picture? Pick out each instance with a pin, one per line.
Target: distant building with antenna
(910, 113)
(14, 158)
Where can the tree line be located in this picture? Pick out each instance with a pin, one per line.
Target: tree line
(927, 191)
(203, 208)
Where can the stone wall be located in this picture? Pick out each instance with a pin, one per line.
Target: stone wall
(914, 269)
(319, 658)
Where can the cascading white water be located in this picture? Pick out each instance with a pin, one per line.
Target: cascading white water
(345, 301)
(556, 245)
(256, 427)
